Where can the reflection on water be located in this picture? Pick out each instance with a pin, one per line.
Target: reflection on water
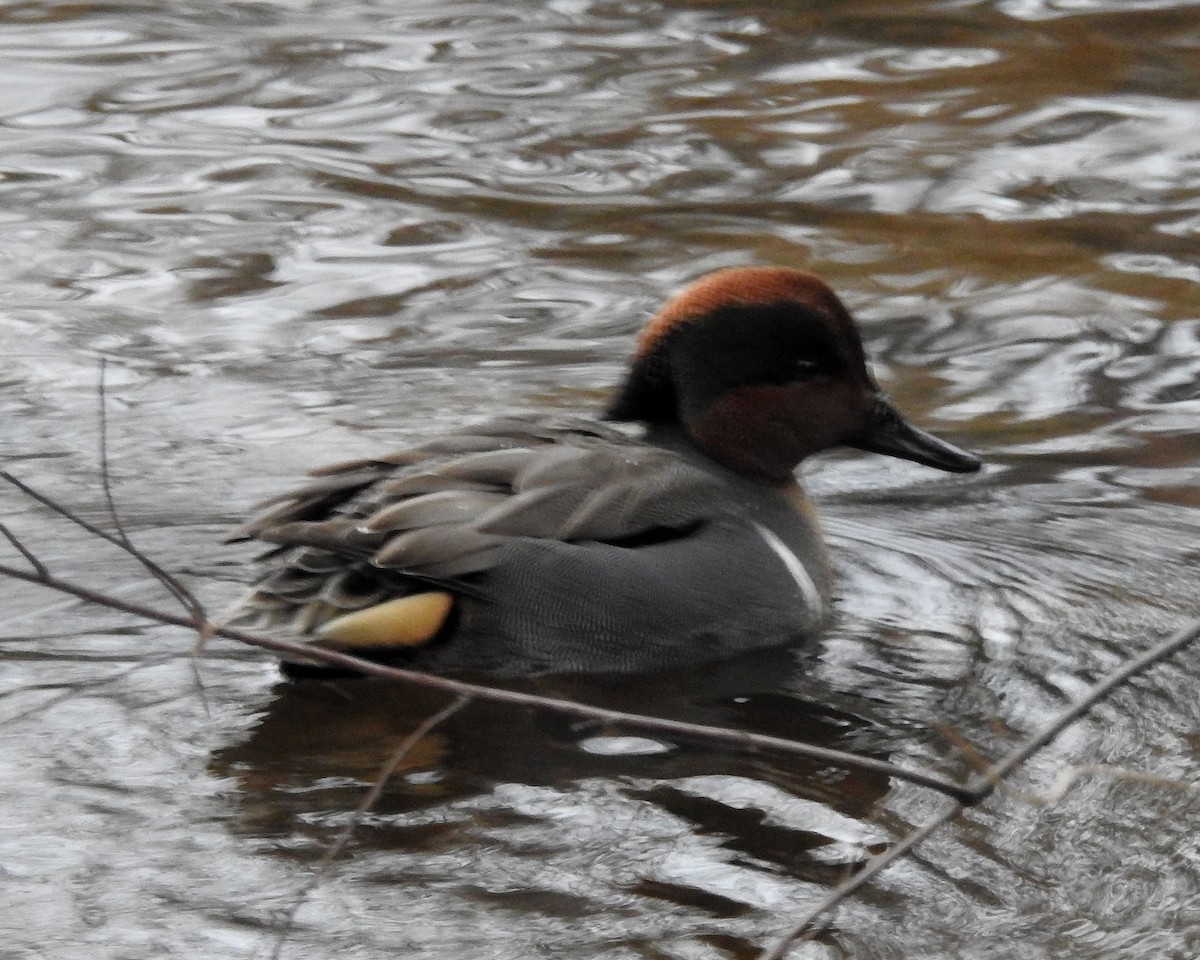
(325, 740)
(515, 811)
(304, 231)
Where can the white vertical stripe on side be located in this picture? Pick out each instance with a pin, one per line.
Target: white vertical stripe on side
(808, 589)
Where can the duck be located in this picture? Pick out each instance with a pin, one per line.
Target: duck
(670, 531)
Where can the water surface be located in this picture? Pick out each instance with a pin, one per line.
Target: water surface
(304, 231)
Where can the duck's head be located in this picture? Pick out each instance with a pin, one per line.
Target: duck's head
(762, 367)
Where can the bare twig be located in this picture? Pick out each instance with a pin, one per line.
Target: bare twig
(385, 774)
(105, 476)
(741, 738)
(187, 599)
(76, 689)
(984, 784)
(368, 801)
(24, 551)
(875, 866)
(1067, 777)
(980, 787)
(178, 590)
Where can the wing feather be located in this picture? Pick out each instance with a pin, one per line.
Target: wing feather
(442, 512)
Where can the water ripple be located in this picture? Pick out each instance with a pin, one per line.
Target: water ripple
(302, 231)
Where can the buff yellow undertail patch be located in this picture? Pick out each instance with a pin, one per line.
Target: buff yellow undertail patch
(406, 622)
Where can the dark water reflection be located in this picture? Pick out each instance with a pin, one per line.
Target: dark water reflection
(303, 231)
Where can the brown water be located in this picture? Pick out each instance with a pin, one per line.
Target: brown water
(305, 230)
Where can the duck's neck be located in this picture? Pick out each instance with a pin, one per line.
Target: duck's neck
(671, 436)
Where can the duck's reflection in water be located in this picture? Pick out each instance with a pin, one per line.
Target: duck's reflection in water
(318, 746)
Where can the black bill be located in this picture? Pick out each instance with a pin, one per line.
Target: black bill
(886, 431)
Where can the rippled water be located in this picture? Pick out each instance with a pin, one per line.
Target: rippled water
(302, 231)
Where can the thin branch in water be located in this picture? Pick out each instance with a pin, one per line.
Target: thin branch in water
(973, 755)
(984, 784)
(1066, 777)
(368, 801)
(24, 551)
(385, 774)
(875, 866)
(185, 597)
(80, 688)
(980, 788)
(105, 475)
(177, 589)
(683, 728)
(1069, 775)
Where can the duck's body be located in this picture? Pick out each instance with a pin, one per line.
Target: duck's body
(572, 546)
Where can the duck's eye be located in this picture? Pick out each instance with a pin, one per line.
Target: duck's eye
(804, 369)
